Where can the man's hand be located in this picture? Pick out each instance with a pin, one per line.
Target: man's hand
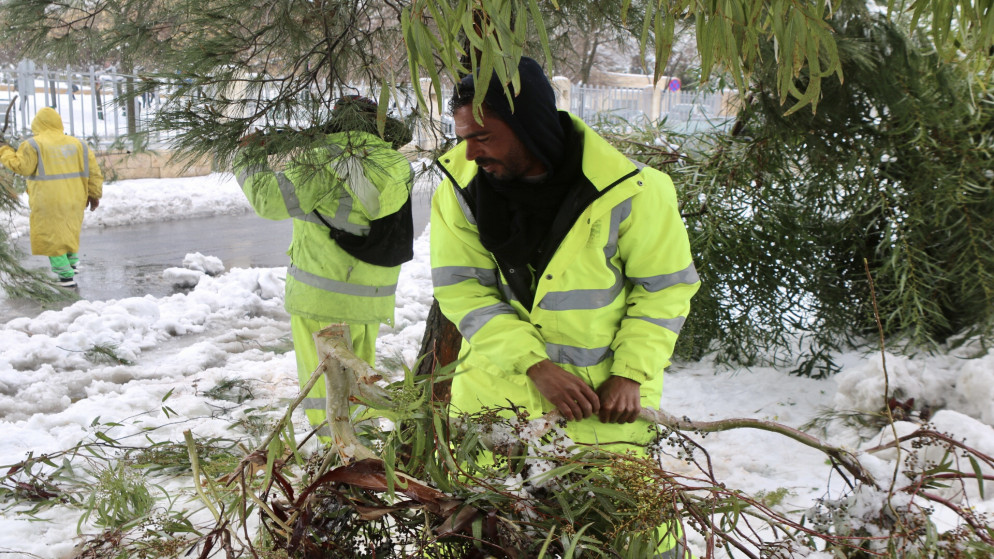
(571, 396)
(93, 203)
(620, 400)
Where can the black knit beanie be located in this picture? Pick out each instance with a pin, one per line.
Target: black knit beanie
(535, 119)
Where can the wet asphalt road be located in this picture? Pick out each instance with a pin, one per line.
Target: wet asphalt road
(128, 261)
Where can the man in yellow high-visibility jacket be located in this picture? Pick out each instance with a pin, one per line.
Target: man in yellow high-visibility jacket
(63, 179)
(349, 197)
(565, 266)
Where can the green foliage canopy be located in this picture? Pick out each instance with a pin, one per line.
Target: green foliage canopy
(735, 36)
(791, 215)
(327, 39)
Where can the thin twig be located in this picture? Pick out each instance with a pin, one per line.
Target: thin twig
(6, 117)
(928, 433)
(979, 529)
(883, 362)
(844, 457)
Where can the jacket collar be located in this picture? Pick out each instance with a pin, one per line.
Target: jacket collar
(603, 165)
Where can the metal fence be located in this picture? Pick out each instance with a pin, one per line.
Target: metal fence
(621, 108)
(681, 110)
(89, 102)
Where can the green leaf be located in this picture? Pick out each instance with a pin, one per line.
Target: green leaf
(665, 26)
(273, 452)
(103, 436)
(575, 540)
(546, 543)
(381, 109)
(979, 473)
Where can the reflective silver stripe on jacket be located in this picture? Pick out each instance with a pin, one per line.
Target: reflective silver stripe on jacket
(468, 213)
(506, 291)
(445, 276)
(588, 299)
(477, 318)
(314, 403)
(672, 324)
(334, 150)
(243, 174)
(41, 175)
(340, 220)
(678, 551)
(577, 356)
(335, 286)
(86, 159)
(289, 193)
(653, 284)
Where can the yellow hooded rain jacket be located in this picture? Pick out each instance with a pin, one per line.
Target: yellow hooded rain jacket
(62, 173)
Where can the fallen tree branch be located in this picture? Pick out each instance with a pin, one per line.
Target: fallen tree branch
(930, 434)
(349, 376)
(843, 457)
(346, 377)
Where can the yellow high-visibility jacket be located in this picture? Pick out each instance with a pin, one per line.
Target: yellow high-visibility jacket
(352, 179)
(62, 173)
(610, 302)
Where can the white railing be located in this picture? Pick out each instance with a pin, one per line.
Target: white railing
(89, 102)
(682, 110)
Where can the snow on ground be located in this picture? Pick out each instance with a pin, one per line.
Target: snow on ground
(57, 387)
(146, 200)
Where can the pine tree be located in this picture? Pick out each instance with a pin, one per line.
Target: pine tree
(881, 202)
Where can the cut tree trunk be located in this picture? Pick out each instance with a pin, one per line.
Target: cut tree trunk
(439, 347)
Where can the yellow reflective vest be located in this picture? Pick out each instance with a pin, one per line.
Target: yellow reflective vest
(351, 179)
(62, 173)
(610, 302)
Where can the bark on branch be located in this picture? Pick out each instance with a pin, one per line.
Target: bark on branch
(347, 376)
(845, 458)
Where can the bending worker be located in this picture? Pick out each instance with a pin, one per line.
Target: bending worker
(349, 197)
(565, 266)
(63, 179)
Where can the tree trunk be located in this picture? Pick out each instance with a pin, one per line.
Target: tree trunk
(131, 107)
(589, 55)
(439, 347)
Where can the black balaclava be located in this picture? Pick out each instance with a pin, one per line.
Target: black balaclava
(514, 216)
(535, 119)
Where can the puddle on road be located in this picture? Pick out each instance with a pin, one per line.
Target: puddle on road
(128, 261)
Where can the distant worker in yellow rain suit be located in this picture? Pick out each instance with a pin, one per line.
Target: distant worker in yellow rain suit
(63, 179)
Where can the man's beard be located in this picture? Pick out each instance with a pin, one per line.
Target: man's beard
(504, 172)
